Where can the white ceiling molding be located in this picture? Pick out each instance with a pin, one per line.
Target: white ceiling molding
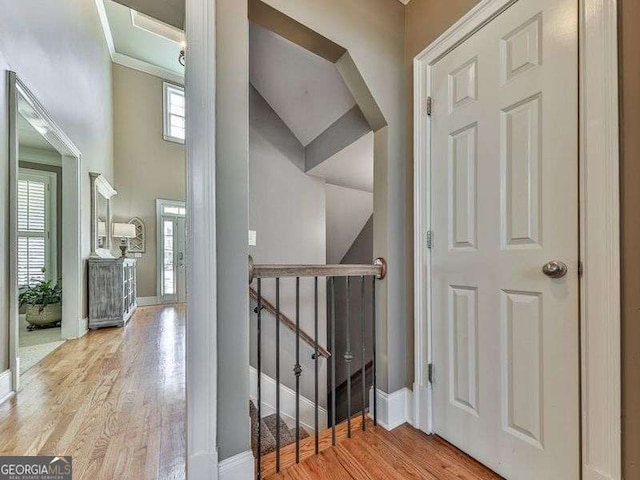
(128, 61)
(404, 2)
(151, 25)
(106, 29)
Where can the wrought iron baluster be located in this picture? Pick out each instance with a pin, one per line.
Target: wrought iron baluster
(259, 368)
(277, 375)
(373, 348)
(363, 366)
(333, 360)
(315, 356)
(348, 356)
(297, 370)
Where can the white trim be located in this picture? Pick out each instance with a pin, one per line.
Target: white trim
(126, 60)
(202, 307)
(148, 301)
(106, 28)
(600, 242)
(394, 409)
(146, 67)
(153, 25)
(238, 467)
(599, 223)
(6, 386)
(22, 101)
(287, 402)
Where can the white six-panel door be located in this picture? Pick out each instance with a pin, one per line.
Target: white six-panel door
(504, 202)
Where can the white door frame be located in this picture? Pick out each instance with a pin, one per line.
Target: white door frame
(73, 325)
(599, 227)
(160, 204)
(201, 325)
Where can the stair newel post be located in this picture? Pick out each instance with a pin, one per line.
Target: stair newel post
(259, 369)
(297, 370)
(315, 359)
(333, 360)
(348, 356)
(363, 380)
(277, 375)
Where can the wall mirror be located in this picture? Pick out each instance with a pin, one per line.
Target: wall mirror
(101, 194)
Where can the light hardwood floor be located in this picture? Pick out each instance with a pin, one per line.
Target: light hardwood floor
(376, 454)
(113, 400)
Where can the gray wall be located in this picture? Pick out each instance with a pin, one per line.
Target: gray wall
(287, 210)
(58, 50)
(360, 252)
(146, 166)
(373, 32)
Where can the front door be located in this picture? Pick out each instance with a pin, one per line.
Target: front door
(171, 252)
(504, 196)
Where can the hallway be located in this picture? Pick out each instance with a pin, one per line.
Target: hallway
(113, 400)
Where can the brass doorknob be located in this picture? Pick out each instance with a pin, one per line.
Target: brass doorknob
(555, 269)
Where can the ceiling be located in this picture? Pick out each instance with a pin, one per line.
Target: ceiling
(168, 11)
(305, 90)
(142, 42)
(351, 167)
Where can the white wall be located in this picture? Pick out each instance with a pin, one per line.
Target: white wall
(58, 50)
(147, 167)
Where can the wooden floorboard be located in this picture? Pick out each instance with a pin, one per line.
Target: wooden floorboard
(404, 453)
(113, 400)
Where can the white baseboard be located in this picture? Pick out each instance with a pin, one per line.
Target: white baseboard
(287, 402)
(83, 327)
(238, 467)
(394, 409)
(6, 386)
(147, 301)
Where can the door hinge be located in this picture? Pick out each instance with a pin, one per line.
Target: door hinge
(429, 105)
(430, 373)
(429, 239)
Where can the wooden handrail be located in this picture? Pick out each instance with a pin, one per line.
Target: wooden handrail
(268, 306)
(378, 270)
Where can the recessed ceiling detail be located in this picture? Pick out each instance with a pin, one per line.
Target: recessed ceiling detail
(139, 41)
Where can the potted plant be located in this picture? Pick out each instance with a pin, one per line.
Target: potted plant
(43, 304)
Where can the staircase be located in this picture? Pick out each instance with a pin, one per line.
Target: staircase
(276, 446)
(268, 432)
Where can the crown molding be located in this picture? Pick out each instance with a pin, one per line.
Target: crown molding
(128, 61)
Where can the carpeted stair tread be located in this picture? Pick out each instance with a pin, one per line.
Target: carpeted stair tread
(268, 432)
